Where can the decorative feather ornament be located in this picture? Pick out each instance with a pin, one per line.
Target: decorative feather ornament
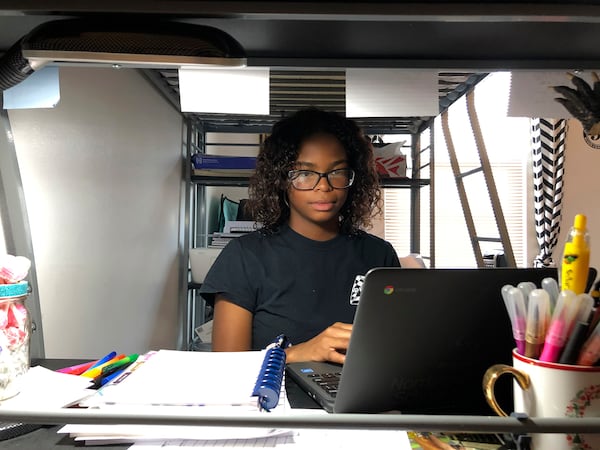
(583, 102)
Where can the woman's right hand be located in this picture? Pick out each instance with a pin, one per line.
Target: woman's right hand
(329, 345)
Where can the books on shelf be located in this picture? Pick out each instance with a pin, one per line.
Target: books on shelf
(240, 173)
(223, 166)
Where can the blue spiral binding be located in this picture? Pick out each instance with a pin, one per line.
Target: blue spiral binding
(270, 376)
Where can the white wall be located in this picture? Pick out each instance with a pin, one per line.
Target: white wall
(102, 180)
(581, 189)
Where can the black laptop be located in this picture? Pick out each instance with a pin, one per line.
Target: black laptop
(421, 342)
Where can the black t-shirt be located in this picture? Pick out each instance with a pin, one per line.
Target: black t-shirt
(291, 284)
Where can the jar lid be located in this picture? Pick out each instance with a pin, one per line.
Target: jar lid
(14, 290)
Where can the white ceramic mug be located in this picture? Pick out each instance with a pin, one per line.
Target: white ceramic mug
(543, 389)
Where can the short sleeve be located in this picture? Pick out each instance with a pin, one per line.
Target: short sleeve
(229, 275)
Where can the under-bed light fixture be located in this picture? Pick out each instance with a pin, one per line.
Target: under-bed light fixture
(139, 44)
(391, 93)
(224, 90)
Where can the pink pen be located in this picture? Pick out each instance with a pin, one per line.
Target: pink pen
(562, 319)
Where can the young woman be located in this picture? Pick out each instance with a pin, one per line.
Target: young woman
(314, 191)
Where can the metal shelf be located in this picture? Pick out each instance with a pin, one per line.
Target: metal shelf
(243, 181)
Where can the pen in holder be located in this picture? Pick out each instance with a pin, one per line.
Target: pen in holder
(270, 376)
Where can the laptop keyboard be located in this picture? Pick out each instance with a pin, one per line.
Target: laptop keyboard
(329, 381)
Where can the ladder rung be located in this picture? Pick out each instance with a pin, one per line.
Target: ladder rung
(487, 239)
(469, 172)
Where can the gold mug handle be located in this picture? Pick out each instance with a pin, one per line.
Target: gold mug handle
(489, 381)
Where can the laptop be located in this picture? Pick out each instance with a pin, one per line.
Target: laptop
(421, 342)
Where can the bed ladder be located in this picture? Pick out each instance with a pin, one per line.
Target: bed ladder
(485, 167)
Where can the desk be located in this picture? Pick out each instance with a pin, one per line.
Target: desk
(47, 438)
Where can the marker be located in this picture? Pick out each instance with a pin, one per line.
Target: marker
(579, 329)
(77, 369)
(517, 312)
(590, 353)
(111, 369)
(526, 288)
(550, 285)
(583, 313)
(107, 358)
(574, 343)
(113, 375)
(560, 325)
(93, 372)
(538, 317)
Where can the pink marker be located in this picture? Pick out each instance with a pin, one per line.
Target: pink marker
(555, 340)
(560, 325)
(77, 369)
(517, 312)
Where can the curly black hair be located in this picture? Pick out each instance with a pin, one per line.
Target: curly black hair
(267, 202)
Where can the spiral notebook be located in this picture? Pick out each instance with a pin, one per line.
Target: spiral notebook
(421, 342)
(246, 380)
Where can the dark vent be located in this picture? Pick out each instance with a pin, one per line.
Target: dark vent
(160, 38)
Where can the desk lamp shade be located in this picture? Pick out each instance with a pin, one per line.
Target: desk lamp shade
(116, 43)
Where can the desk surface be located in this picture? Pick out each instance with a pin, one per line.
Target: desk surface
(47, 438)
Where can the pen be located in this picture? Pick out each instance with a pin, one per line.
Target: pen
(556, 337)
(538, 316)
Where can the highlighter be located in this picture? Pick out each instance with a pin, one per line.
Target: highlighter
(538, 318)
(576, 257)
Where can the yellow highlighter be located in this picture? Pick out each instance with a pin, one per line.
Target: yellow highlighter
(576, 257)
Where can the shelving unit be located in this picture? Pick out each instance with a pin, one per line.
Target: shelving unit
(199, 233)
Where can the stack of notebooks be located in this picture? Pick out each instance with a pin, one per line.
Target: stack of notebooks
(223, 166)
(232, 230)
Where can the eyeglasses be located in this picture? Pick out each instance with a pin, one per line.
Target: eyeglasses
(307, 180)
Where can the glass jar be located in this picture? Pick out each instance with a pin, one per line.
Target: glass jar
(15, 334)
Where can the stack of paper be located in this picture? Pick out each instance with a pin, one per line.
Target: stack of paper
(298, 440)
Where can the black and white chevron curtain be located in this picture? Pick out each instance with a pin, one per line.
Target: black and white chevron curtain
(548, 144)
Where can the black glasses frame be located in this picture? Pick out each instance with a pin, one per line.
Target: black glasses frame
(292, 174)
